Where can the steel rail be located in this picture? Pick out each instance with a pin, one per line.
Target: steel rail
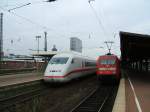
(7, 102)
(84, 100)
(95, 101)
(106, 98)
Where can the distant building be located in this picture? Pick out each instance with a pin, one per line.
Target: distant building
(54, 48)
(75, 44)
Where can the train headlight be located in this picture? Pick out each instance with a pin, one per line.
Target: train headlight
(112, 68)
(107, 69)
(114, 72)
(102, 69)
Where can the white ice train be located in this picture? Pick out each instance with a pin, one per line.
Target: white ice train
(67, 66)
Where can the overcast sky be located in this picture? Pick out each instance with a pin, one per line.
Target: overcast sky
(72, 18)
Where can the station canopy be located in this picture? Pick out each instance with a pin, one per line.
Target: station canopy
(45, 53)
(51, 53)
(134, 46)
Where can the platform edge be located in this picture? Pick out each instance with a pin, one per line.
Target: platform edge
(120, 102)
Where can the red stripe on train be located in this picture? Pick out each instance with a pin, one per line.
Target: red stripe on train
(74, 71)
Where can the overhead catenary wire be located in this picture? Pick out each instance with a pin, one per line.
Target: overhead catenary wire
(32, 22)
(97, 17)
(106, 21)
(30, 3)
(19, 7)
(16, 5)
(26, 19)
(102, 27)
(29, 21)
(45, 28)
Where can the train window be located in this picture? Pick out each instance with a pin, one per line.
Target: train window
(90, 64)
(72, 61)
(59, 60)
(104, 62)
(83, 64)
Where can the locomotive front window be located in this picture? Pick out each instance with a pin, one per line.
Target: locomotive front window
(104, 62)
(60, 60)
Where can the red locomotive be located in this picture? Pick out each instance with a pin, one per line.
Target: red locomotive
(108, 67)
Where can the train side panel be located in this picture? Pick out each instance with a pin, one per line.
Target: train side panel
(74, 67)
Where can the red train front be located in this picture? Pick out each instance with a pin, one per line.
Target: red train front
(108, 67)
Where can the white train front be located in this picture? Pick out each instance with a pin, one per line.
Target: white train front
(67, 66)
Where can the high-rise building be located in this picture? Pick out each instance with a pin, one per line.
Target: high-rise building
(75, 44)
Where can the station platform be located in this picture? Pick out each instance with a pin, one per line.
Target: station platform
(6, 80)
(133, 93)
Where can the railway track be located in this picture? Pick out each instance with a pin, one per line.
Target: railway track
(16, 71)
(100, 100)
(9, 102)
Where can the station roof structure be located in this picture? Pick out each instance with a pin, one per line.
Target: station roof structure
(134, 46)
(45, 53)
(51, 53)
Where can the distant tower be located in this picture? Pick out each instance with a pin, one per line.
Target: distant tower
(75, 44)
(45, 43)
(1, 36)
(54, 48)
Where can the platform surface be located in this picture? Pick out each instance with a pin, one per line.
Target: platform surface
(137, 92)
(6, 80)
(133, 93)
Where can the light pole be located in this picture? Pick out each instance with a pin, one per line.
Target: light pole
(37, 38)
(45, 43)
(1, 37)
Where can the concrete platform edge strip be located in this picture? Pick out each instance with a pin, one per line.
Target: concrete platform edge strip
(14, 85)
(120, 102)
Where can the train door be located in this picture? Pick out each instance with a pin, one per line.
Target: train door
(83, 63)
(74, 67)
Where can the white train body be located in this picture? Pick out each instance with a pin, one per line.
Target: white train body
(66, 66)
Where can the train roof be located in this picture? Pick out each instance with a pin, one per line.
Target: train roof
(73, 54)
(112, 55)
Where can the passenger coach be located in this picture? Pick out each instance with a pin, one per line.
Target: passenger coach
(67, 66)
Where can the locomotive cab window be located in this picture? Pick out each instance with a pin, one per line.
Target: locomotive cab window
(60, 60)
(72, 61)
(110, 61)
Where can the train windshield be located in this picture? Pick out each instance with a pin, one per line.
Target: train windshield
(105, 62)
(60, 60)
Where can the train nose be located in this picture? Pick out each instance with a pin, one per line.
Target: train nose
(53, 71)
